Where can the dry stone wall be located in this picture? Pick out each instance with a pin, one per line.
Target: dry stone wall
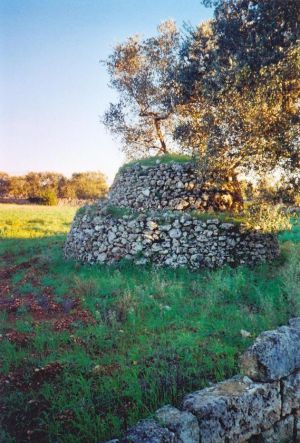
(173, 186)
(260, 406)
(167, 239)
(145, 219)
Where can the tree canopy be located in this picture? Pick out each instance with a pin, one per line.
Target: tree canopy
(42, 187)
(228, 90)
(143, 73)
(244, 69)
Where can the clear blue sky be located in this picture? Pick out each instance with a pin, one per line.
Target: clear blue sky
(53, 88)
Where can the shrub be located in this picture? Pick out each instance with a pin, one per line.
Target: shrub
(297, 200)
(267, 218)
(49, 197)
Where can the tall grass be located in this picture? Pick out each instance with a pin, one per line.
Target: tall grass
(156, 333)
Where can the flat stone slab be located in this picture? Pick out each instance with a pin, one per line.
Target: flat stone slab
(274, 354)
(234, 410)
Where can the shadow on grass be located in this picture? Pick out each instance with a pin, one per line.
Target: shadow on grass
(17, 250)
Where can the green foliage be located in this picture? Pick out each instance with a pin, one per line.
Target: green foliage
(227, 90)
(143, 73)
(158, 333)
(268, 218)
(241, 93)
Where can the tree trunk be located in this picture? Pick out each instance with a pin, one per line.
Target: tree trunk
(163, 147)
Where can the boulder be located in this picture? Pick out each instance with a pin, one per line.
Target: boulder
(291, 393)
(148, 431)
(274, 354)
(235, 409)
(183, 424)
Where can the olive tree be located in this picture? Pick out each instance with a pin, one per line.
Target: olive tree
(143, 72)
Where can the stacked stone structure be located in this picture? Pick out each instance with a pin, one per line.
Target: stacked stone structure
(260, 406)
(172, 186)
(153, 214)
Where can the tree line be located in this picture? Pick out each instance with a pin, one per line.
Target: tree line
(226, 91)
(48, 187)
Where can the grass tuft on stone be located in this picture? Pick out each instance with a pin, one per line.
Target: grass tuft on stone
(156, 160)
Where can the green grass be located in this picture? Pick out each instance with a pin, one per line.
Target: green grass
(224, 217)
(152, 336)
(152, 161)
(30, 221)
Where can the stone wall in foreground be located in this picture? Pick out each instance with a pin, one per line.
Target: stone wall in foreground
(260, 406)
(165, 239)
(172, 186)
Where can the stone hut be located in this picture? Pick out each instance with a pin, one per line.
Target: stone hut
(164, 214)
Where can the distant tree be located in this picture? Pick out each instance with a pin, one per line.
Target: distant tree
(89, 185)
(66, 189)
(143, 72)
(39, 182)
(18, 187)
(48, 187)
(4, 184)
(48, 197)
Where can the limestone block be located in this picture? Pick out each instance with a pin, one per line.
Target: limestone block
(148, 431)
(295, 322)
(281, 432)
(234, 410)
(175, 233)
(297, 427)
(291, 393)
(183, 424)
(151, 225)
(274, 354)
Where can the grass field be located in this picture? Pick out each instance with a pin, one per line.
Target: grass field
(87, 351)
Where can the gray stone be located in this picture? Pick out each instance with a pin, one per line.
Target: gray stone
(227, 226)
(183, 424)
(175, 233)
(234, 410)
(165, 227)
(148, 431)
(146, 192)
(274, 354)
(151, 225)
(98, 231)
(291, 393)
(281, 432)
(297, 427)
(111, 236)
(102, 257)
(295, 322)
